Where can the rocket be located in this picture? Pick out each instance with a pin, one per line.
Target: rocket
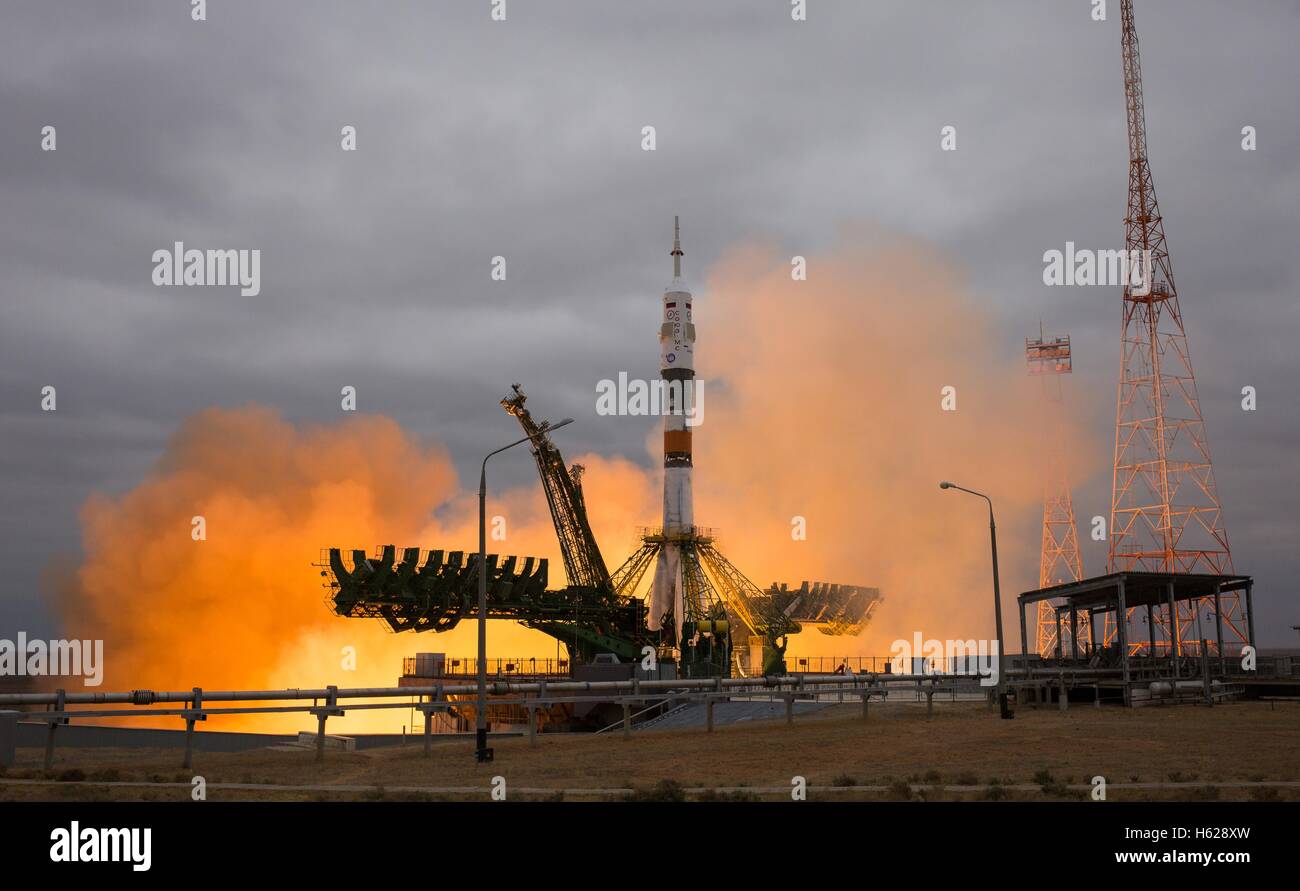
(677, 370)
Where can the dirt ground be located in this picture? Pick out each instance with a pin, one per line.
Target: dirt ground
(1248, 751)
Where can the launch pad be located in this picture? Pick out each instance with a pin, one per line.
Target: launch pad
(692, 611)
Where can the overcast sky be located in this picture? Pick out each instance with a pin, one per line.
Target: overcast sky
(523, 139)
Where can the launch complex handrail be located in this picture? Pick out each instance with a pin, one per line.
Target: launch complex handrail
(196, 705)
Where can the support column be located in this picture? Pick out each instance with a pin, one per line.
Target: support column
(1060, 645)
(789, 708)
(1250, 612)
(541, 695)
(322, 713)
(708, 714)
(1218, 631)
(1121, 625)
(193, 715)
(1024, 639)
(1175, 647)
(429, 708)
(1074, 632)
(320, 736)
(627, 719)
(1151, 631)
(1205, 676)
(59, 705)
(8, 737)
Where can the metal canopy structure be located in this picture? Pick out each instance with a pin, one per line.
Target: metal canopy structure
(1120, 592)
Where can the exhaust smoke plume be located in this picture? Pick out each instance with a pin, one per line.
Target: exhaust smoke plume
(830, 409)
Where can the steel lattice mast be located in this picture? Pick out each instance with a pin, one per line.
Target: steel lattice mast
(1060, 560)
(1165, 511)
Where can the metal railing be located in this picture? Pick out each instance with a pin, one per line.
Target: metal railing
(497, 668)
(834, 664)
(196, 705)
(1142, 665)
(504, 667)
(436, 699)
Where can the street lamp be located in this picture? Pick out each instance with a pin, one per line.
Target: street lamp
(482, 752)
(1003, 706)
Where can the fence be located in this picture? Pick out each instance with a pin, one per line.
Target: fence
(496, 668)
(196, 704)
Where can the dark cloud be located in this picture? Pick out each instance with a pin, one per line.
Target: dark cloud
(522, 139)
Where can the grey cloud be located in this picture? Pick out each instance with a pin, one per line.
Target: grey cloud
(522, 139)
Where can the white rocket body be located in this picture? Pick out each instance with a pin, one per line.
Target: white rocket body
(677, 369)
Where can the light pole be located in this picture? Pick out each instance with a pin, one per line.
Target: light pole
(1003, 705)
(482, 752)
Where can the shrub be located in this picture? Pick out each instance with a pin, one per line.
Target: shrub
(664, 790)
(900, 790)
(996, 792)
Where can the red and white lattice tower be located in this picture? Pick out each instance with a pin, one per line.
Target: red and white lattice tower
(1060, 562)
(1165, 514)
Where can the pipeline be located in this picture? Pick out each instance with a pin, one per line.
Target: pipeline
(496, 688)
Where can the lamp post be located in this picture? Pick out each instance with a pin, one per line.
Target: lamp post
(1003, 705)
(482, 752)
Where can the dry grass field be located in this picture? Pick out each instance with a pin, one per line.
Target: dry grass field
(1247, 751)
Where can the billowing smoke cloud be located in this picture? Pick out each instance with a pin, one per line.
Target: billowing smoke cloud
(828, 408)
(822, 403)
(243, 606)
